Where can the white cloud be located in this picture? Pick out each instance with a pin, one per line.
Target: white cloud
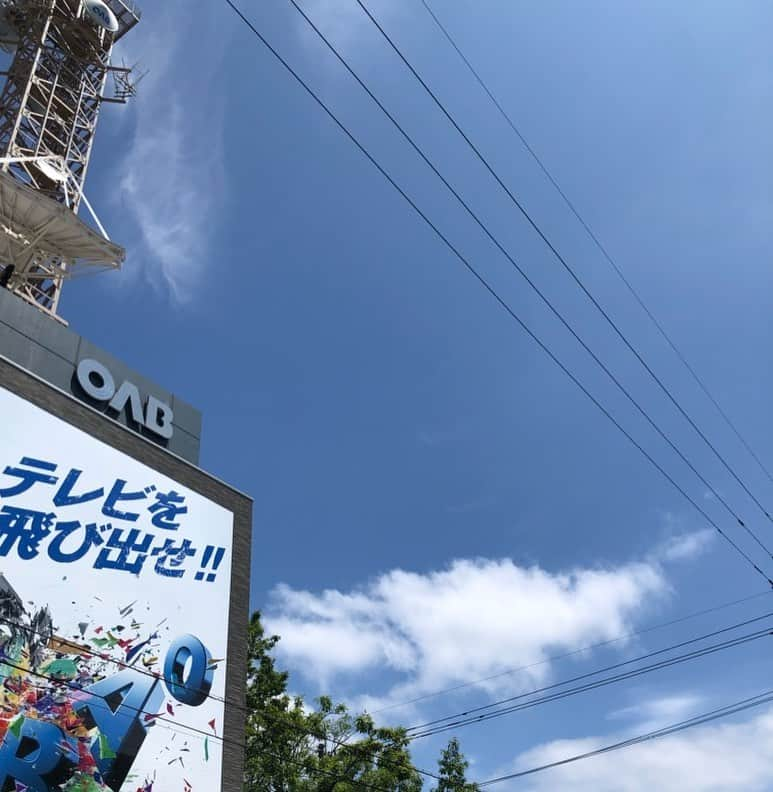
(471, 620)
(687, 546)
(653, 714)
(171, 177)
(721, 757)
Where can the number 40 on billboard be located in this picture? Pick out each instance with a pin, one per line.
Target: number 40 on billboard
(122, 708)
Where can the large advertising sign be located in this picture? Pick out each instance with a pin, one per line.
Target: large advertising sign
(113, 617)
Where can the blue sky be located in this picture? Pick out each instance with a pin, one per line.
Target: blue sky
(434, 501)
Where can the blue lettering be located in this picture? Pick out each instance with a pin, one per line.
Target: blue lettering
(40, 758)
(117, 707)
(194, 689)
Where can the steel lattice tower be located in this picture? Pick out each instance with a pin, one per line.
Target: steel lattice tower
(49, 108)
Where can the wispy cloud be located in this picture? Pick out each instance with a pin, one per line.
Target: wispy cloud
(679, 542)
(171, 178)
(651, 714)
(687, 546)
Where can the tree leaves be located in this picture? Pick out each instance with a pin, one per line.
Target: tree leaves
(452, 770)
(292, 749)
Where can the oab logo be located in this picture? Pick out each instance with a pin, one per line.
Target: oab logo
(98, 383)
(99, 13)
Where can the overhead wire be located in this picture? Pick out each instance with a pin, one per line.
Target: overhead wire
(485, 283)
(364, 151)
(183, 728)
(596, 241)
(152, 716)
(319, 770)
(356, 783)
(698, 720)
(739, 481)
(102, 656)
(595, 685)
(561, 259)
(529, 281)
(573, 653)
(85, 650)
(223, 699)
(613, 667)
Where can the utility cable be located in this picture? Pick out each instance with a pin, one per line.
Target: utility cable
(614, 667)
(559, 696)
(356, 784)
(533, 285)
(563, 261)
(488, 286)
(596, 241)
(699, 720)
(530, 282)
(573, 653)
(184, 728)
(84, 650)
(152, 716)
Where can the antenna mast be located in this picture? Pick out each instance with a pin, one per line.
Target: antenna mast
(49, 108)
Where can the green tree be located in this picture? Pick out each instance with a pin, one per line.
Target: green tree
(359, 754)
(292, 749)
(453, 770)
(280, 734)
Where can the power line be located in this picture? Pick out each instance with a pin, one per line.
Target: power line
(124, 665)
(597, 242)
(357, 783)
(84, 650)
(185, 729)
(562, 260)
(487, 285)
(310, 733)
(699, 720)
(574, 652)
(604, 670)
(559, 696)
(157, 717)
(319, 101)
(528, 280)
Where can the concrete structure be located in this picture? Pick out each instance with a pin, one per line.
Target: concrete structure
(52, 351)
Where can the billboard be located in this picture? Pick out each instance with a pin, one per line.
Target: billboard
(114, 612)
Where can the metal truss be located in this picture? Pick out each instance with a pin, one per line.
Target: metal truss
(49, 108)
